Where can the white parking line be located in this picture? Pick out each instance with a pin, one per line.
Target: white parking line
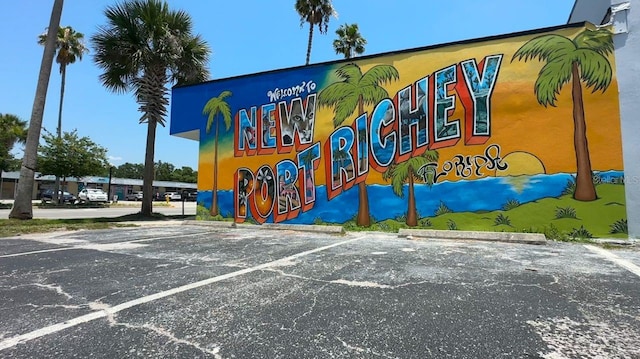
(81, 246)
(36, 252)
(20, 339)
(615, 259)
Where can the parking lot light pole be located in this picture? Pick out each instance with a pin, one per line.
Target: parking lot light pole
(109, 187)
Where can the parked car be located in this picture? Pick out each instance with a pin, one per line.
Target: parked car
(173, 196)
(191, 196)
(92, 195)
(134, 196)
(66, 197)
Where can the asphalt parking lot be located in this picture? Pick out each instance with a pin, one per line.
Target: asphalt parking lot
(187, 291)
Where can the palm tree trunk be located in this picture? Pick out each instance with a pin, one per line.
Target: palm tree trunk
(63, 80)
(310, 41)
(412, 213)
(149, 166)
(22, 207)
(63, 75)
(214, 196)
(585, 189)
(364, 218)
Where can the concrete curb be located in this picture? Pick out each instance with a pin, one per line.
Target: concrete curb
(269, 226)
(508, 237)
(615, 241)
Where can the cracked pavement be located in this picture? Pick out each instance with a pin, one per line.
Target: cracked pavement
(185, 291)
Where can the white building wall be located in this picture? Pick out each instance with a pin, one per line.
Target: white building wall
(627, 47)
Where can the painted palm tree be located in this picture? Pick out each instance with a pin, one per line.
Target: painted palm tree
(214, 108)
(349, 42)
(22, 206)
(354, 92)
(12, 131)
(145, 47)
(70, 47)
(406, 172)
(314, 12)
(583, 58)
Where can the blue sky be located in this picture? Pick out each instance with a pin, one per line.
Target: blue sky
(246, 37)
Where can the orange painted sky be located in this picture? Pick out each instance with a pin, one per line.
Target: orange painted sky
(518, 122)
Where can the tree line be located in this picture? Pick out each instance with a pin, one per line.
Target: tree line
(67, 155)
(143, 48)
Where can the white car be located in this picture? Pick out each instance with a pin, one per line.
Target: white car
(173, 196)
(92, 195)
(134, 196)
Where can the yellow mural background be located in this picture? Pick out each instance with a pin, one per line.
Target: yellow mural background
(518, 122)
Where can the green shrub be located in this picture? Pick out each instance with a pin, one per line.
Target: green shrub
(425, 222)
(566, 212)
(442, 209)
(619, 226)
(570, 187)
(580, 233)
(451, 225)
(511, 204)
(554, 233)
(502, 219)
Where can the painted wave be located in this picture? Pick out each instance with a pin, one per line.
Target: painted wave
(486, 194)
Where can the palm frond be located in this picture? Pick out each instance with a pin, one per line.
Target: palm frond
(373, 94)
(600, 41)
(350, 73)
(545, 47)
(552, 77)
(595, 69)
(217, 105)
(333, 94)
(379, 75)
(345, 108)
(388, 173)
(399, 177)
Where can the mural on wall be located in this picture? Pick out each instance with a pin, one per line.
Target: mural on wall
(517, 133)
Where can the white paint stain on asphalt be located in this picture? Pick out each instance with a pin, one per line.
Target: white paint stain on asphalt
(615, 259)
(567, 338)
(110, 311)
(360, 284)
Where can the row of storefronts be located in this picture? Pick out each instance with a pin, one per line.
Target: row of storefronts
(119, 186)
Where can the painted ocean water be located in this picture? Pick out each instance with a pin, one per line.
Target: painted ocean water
(486, 194)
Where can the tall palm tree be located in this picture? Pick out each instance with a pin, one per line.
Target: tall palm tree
(214, 108)
(70, 46)
(12, 131)
(406, 172)
(355, 91)
(314, 12)
(22, 206)
(144, 47)
(583, 58)
(349, 42)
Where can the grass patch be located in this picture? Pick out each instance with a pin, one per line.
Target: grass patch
(202, 213)
(15, 227)
(535, 217)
